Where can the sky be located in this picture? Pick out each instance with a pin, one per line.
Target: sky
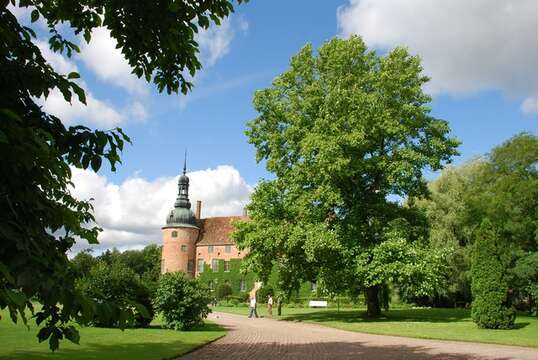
(481, 57)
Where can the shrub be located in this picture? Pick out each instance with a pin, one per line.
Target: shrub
(182, 302)
(491, 308)
(223, 290)
(120, 286)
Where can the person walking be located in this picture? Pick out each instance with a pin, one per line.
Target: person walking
(252, 305)
(270, 305)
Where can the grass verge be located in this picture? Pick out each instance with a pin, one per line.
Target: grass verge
(105, 344)
(442, 324)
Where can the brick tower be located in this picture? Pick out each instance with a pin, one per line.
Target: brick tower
(180, 232)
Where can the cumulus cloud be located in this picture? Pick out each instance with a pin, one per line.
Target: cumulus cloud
(466, 46)
(108, 63)
(133, 212)
(215, 41)
(59, 63)
(96, 113)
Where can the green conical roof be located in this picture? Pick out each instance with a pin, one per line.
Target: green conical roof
(182, 215)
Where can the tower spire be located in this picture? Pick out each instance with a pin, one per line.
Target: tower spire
(185, 163)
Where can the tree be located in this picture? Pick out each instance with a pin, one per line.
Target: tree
(451, 227)
(39, 219)
(83, 262)
(182, 302)
(119, 285)
(501, 187)
(491, 303)
(223, 290)
(342, 132)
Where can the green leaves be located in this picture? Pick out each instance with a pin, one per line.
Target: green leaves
(342, 130)
(34, 15)
(182, 302)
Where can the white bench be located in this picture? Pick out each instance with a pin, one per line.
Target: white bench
(317, 304)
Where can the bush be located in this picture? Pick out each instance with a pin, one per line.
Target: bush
(223, 290)
(490, 308)
(182, 302)
(118, 286)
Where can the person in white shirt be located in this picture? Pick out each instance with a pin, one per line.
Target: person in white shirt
(270, 305)
(252, 305)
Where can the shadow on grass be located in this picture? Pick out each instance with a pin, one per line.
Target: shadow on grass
(94, 351)
(408, 315)
(204, 327)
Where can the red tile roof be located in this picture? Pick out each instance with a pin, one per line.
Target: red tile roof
(217, 230)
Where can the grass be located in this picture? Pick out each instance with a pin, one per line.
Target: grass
(444, 324)
(103, 344)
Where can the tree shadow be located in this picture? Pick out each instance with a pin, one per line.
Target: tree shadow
(521, 325)
(408, 315)
(321, 350)
(95, 351)
(209, 326)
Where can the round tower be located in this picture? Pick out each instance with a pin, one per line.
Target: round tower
(180, 232)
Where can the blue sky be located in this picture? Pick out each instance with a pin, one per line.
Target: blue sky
(481, 56)
(212, 123)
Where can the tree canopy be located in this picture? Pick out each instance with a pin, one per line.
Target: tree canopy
(343, 131)
(39, 219)
(502, 188)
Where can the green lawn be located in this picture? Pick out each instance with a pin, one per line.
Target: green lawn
(102, 344)
(447, 324)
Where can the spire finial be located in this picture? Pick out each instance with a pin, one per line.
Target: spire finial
(185, 163)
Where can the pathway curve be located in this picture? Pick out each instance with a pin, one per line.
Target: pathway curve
(267, 339)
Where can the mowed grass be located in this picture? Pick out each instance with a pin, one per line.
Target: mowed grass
(17, 342)
(444, 324)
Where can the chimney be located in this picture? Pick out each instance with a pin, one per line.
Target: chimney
(198, 209)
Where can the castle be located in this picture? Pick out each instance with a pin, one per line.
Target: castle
(190, 242)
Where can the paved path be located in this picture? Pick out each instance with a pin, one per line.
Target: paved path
(266, 339)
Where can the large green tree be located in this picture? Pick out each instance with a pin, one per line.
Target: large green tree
(39, 219)
(343, 130)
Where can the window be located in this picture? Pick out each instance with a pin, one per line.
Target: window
(227, 266)
(200, 265)
(210, 249)
(243, 285)
(183, 248)
(215, 265)
(174, 233)
(190, 265)
(228, 249)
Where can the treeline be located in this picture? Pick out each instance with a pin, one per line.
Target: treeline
(124, 279)
(485, 213)
(132, 279)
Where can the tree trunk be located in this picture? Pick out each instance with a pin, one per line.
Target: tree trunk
(279, 307)
(372, 301)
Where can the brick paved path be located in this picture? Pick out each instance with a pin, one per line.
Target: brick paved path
(266, 339)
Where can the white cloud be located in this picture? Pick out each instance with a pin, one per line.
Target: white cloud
(137, 111)
(243, 24)
(59, 63)
(466, 46)
(215, 41)
(530, 105)
(96, 113)
(133, 212)
(108, 63)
